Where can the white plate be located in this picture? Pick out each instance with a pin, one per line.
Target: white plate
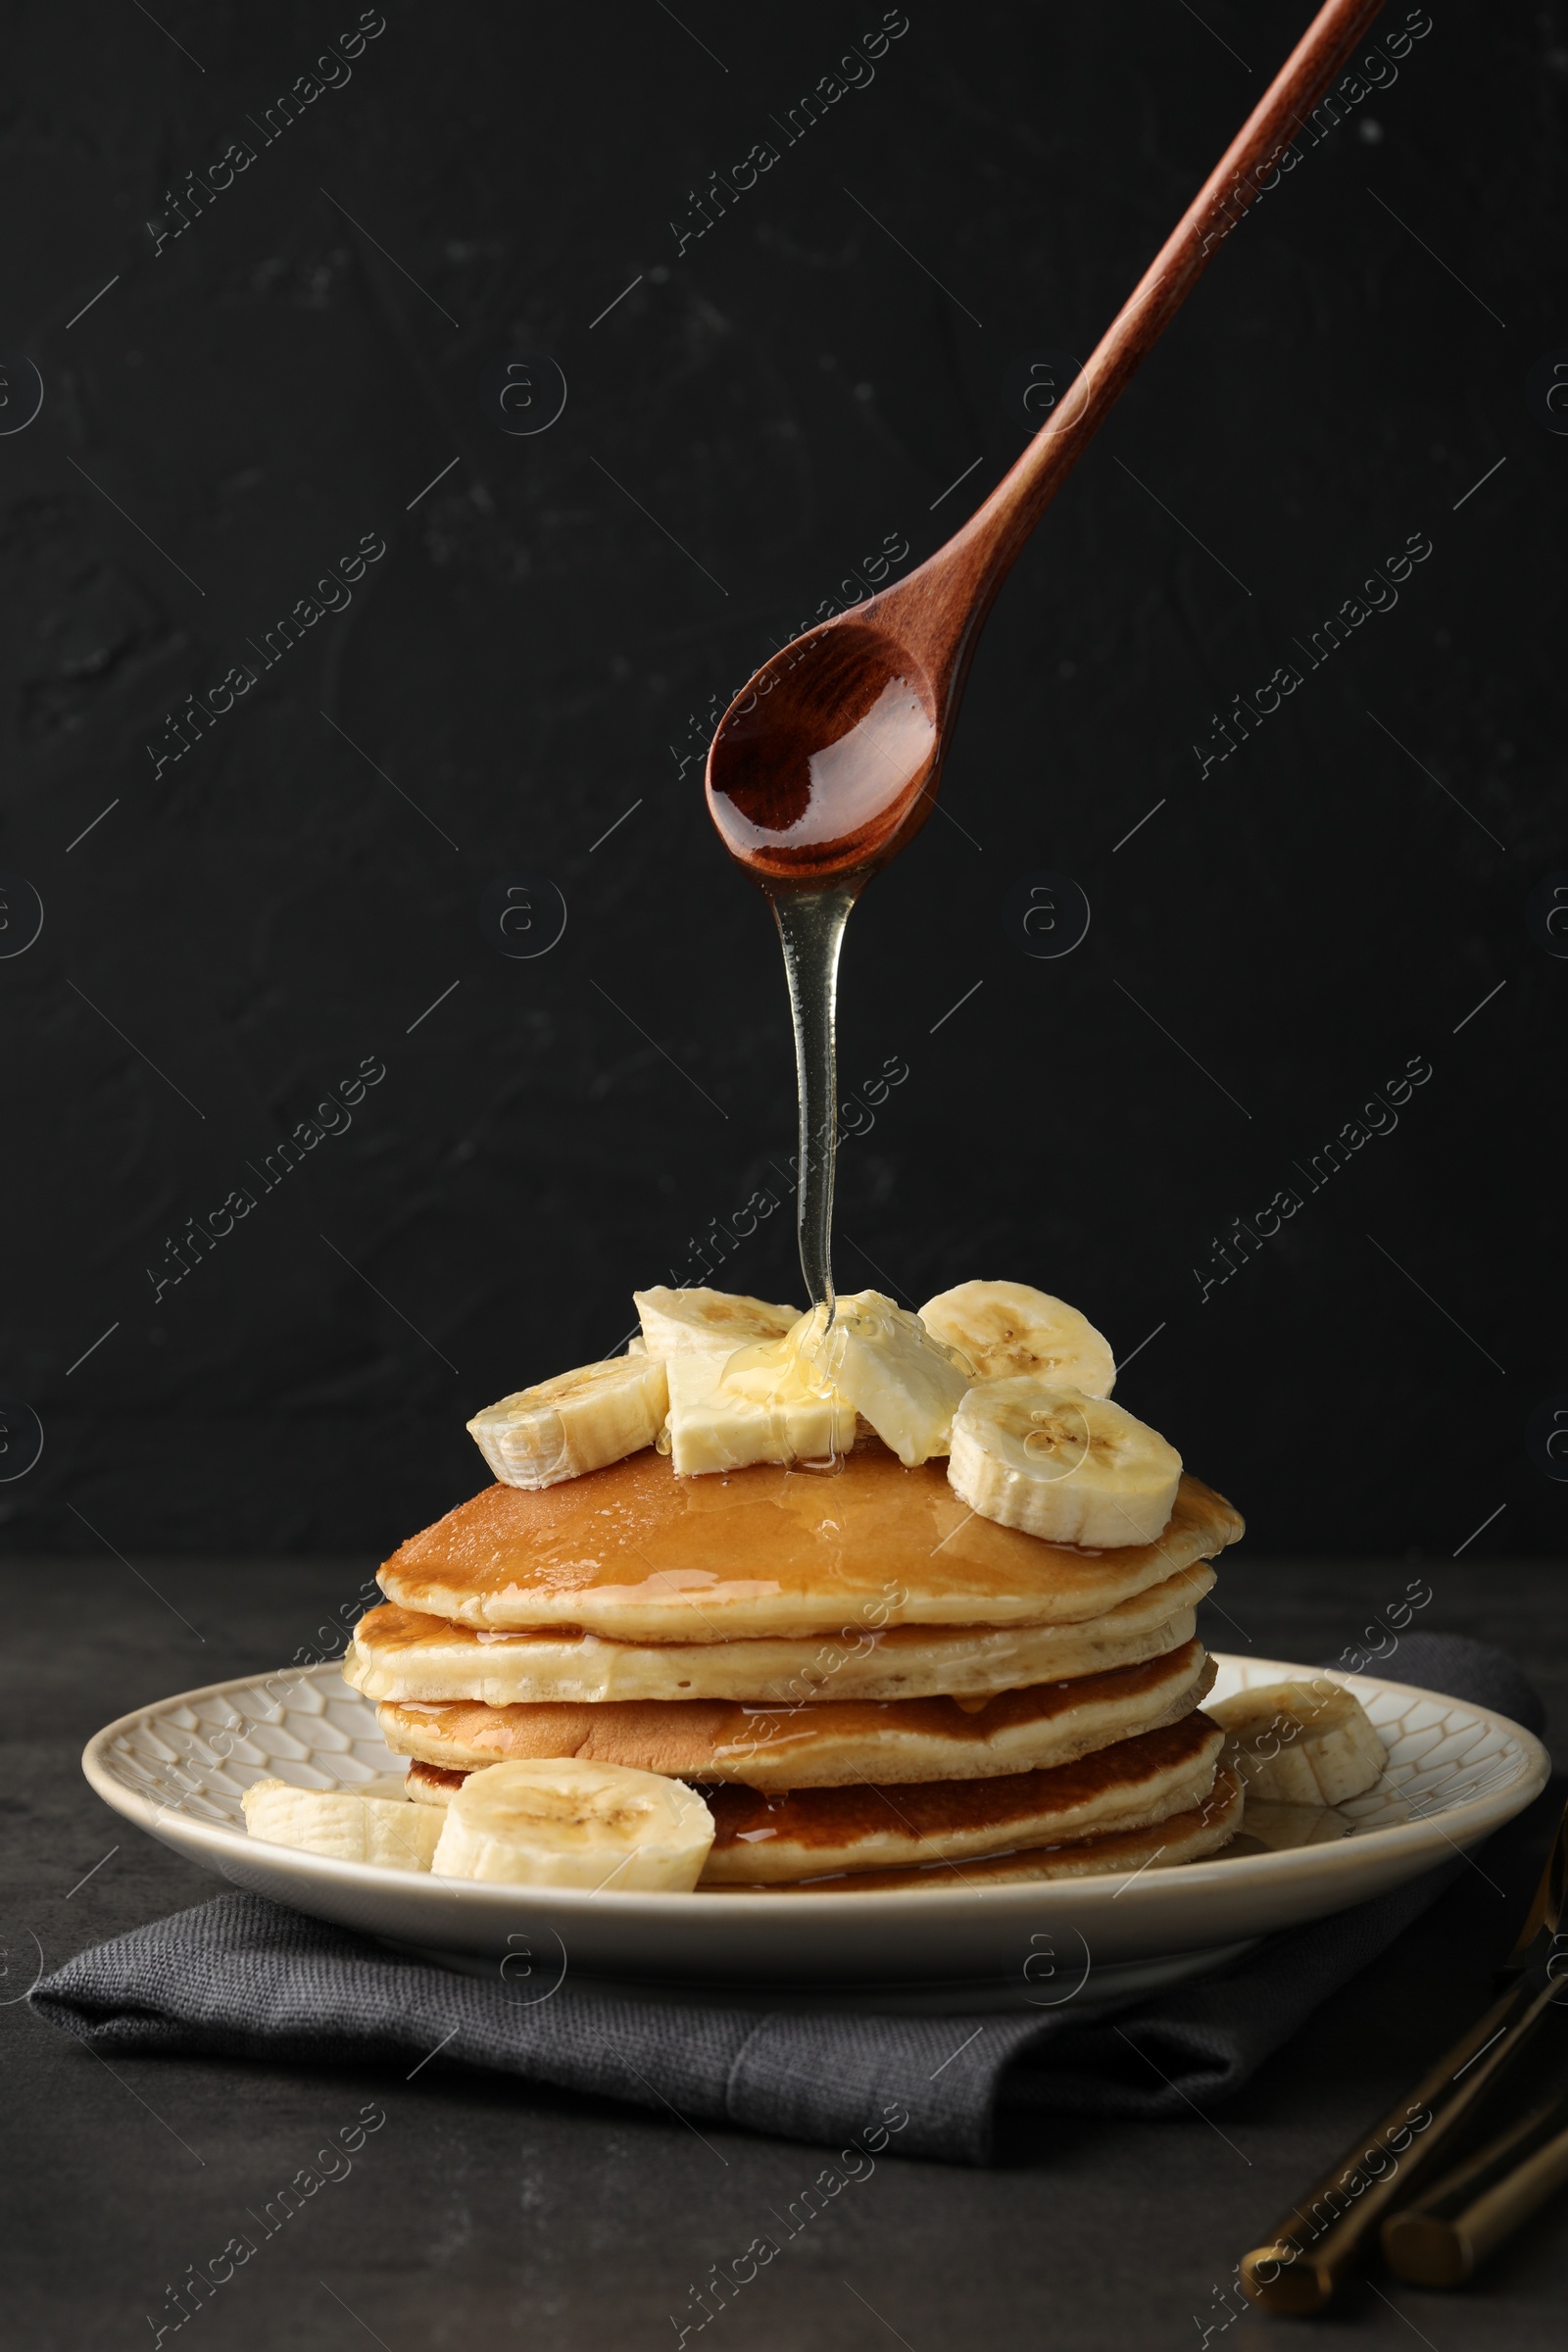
(1455, 1774)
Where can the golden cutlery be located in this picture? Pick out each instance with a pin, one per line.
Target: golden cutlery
(1324, 2239)
(1438, 2241)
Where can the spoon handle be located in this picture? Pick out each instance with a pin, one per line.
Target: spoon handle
(977, 559)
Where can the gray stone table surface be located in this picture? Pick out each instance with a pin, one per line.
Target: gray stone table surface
(489, 2211)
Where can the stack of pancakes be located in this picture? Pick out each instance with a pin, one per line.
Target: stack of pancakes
(871, 1686)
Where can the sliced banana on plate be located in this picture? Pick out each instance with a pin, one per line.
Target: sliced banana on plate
(1282, 1829)
(1071, 1468)
(674, 1322)
(374, 1823)
(1006, 1330)
(882, 1361)
(1301, 1743)
(579, 1421)
(558, 1821)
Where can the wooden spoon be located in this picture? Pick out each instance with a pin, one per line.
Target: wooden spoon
(829, 760)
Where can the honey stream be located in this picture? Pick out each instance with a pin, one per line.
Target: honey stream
(810, 927)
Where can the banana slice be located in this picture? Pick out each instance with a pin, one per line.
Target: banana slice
(675, 1321)
(1006, 1330)
(575, 1423)
(881, 1361)
(1301, 1743)
(1075, 1469)
(555, 1821)
(1281, 1829)
(374, 1823)
(758, 1404)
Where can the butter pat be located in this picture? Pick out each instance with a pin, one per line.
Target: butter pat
(885, 1364)
(757, 1405)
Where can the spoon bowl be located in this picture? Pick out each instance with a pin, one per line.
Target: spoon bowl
(826, 764)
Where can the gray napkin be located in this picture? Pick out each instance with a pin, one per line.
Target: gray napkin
(241, 1976)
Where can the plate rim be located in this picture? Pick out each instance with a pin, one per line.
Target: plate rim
(1466, 1822)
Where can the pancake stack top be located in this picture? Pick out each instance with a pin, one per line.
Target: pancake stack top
(907, 1598)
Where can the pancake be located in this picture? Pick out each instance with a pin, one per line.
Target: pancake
(898, 1835)
(770, 1839)
(637, 1554)
(1179, 1838)
(398, 1654)
(823, 1745)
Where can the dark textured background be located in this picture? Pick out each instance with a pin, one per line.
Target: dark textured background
(271, 385)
